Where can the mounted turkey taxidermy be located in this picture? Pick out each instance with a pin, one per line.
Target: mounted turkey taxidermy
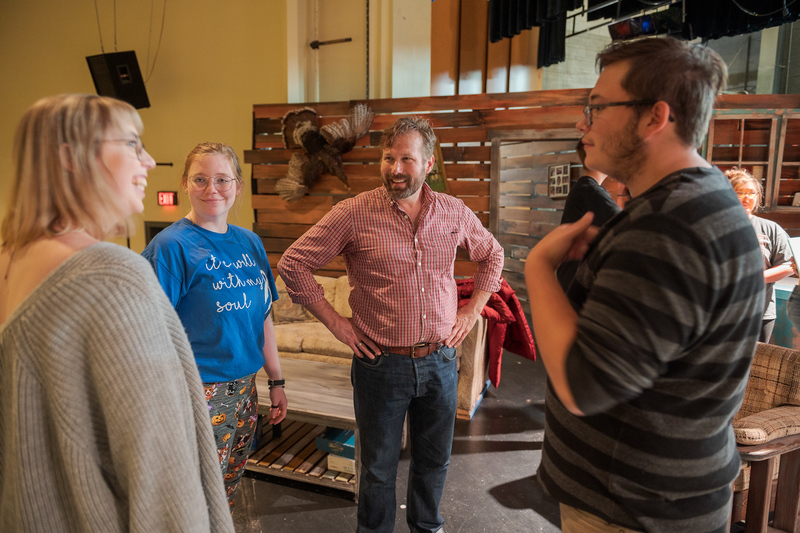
(322, 148)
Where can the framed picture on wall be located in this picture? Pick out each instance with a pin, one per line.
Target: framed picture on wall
(437, 178)
(558, 180)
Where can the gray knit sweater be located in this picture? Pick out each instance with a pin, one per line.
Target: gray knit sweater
(103, 421)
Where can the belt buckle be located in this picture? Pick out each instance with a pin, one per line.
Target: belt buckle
(419, 345)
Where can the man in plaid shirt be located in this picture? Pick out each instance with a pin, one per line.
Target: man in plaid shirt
(399, 245)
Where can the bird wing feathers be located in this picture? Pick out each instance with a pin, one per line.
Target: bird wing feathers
(343, 134)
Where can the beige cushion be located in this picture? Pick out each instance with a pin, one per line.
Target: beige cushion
(284, 311)
(316, 357)
(325, 343)
(768, 425)
(341, 301)
(773, 380)
(289, 337)
(794, 392)
(309, 337)
(329, 285)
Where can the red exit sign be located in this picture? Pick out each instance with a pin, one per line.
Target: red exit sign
(167, 198)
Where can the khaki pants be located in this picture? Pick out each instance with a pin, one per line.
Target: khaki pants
(576, 521)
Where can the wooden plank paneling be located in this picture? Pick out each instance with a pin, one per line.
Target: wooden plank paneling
(526, 212)
(497, 66)
(524, 52)
(327, 185)
(536, 98)
(467, 153)
(461, 135)
(758, 101)
(476, 203)
(472, 50)
(290, 231)
(471, 171)
(445, 35)
(469, 188)
(462, 124)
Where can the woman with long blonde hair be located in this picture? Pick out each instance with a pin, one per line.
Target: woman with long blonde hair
(91, 351)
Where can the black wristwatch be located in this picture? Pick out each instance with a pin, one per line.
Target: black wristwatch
(276, 383)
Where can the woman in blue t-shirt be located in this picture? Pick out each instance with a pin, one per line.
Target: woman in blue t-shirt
(219, 280)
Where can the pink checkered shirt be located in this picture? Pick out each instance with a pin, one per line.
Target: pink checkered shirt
(402, 286)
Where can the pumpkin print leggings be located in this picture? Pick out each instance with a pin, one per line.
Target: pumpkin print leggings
(233, 406)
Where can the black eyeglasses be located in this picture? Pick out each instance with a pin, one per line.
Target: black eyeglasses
(589, 108)
(135, 144)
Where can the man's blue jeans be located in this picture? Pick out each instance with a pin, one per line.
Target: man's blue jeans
(383, 390)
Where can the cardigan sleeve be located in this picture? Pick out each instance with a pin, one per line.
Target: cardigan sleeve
(148, 390)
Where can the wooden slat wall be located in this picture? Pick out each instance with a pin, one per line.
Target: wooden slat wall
(525, 212)
(510, 199)
(745, 132)
(461, 123)
(465, 62)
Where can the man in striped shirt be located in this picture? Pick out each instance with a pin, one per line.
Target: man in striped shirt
(399, 245)
(648, 353)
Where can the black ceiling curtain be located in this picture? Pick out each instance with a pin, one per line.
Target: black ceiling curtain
(508, 18)
(712, 19)
(706, 19)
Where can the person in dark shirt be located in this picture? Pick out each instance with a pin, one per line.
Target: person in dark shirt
(648, 353)
(587, 195)
(772, 240)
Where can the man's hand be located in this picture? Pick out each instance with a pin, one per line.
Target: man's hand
(466, 317)
(347, 332)
(567, 242)
(344, 329)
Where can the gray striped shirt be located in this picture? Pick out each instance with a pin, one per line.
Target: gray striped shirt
(670, 299)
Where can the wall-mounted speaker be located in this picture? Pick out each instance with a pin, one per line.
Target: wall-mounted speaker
(118, 75)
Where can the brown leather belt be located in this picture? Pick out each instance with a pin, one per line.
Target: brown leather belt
(418, 350)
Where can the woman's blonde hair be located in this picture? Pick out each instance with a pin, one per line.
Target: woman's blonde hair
(739, 176)
(59, 182)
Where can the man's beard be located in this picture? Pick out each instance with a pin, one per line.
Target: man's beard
(413, 185)
(627, 151)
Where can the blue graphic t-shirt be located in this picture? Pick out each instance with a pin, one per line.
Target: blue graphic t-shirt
(222, 288)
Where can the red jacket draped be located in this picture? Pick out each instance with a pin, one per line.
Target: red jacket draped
(508, 328)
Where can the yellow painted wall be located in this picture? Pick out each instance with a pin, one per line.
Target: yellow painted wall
(216, 60)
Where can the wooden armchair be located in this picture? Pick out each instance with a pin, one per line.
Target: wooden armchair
(767, 429)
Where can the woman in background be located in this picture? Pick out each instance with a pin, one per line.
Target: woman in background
(772, 239)
(218, 278)
(91, 352)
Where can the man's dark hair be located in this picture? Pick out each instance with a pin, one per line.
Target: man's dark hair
(406, 125)
(686, 76)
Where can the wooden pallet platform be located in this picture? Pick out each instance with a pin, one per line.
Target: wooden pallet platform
(292, 454)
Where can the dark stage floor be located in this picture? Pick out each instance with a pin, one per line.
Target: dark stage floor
(490, 485)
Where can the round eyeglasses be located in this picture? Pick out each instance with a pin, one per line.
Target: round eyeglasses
(134, 144)
(221, 183)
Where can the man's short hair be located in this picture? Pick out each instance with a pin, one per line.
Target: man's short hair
(686, 76)
(406, 125)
